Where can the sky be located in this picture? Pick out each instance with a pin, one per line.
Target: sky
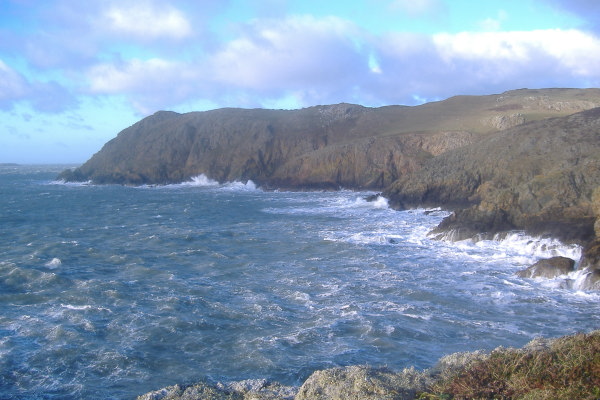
(74, 73)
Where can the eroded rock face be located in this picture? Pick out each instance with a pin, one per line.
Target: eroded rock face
(539, 177)
(549, 268)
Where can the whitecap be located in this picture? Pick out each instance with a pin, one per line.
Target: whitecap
(379, 202)
(78, 308)
(65, 183)
(54, 263)
(241, 186)
(200, 181)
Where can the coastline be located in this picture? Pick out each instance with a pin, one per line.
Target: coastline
(579, 352)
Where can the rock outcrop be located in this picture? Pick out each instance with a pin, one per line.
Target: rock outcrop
(590, 260)
(549, 268)
(541, 177)
(334, 146)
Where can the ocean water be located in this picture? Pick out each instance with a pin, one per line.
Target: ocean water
(109, 292)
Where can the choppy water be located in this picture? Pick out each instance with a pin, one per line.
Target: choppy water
(111, 291)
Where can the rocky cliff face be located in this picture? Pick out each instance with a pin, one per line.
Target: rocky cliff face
(334, 146)
(539, 176)
(542, 177)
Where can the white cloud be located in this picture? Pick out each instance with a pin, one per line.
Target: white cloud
(149, 85)
(148, 21)
(578, 53)
(12, 85)
(131, 76)
(299, 52)
(304, 60)
(494, 24)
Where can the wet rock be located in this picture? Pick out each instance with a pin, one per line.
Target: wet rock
(549, 268)
(591, 280)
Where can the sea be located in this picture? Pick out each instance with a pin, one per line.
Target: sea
(110, 291)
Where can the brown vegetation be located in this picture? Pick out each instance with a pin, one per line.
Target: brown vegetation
(569, 368)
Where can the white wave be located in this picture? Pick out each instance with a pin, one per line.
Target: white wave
(78, 308)
(65, 183)
(202, 181)
(380, 202)
(199, 181)
(248, 186)
(54, 263)
(519, 244)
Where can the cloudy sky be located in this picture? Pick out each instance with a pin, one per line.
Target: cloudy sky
(74, 73)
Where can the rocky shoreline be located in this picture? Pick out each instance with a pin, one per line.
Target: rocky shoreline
(522, 160)
(368, 383)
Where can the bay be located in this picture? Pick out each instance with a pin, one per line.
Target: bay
(112, 291)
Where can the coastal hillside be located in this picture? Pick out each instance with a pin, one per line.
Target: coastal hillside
(538, 176)
(329, 147)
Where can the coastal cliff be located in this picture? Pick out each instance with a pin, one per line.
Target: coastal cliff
(539, 177)
(325, 147)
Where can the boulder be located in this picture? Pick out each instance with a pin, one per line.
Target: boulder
(590, 265)
(362, 383)
(549, 268)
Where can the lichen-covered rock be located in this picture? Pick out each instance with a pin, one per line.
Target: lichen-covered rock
(199, 391)
(549, 268)
(362, 383)
(251, 389)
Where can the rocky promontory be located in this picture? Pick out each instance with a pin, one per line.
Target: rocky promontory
(333, 146)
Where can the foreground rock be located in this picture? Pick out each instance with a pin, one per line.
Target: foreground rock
(544, 368)
(334, 146)
(365, 383)
(253, 389)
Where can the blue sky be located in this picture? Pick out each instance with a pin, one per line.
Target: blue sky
(74, 73)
